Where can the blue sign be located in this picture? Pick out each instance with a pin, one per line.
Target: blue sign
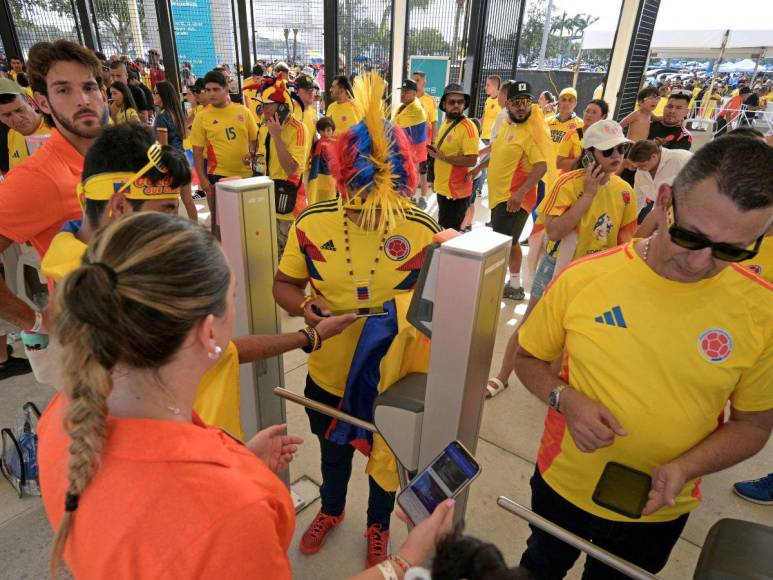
(193, 32)
(437, 69)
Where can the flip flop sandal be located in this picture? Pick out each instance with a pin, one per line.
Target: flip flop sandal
(497, 387)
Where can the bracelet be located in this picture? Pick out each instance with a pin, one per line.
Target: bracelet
(388, 571)
(306, 300)
(312, 335)
(400, 561)
(38, 326)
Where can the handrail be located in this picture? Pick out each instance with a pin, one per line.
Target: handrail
(325, 409)
(622, 566)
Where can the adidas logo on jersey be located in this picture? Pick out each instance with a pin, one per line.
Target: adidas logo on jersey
(612, 317)
(214, 122)
(329, 245)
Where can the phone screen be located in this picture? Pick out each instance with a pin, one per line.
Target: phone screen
(444, 478)
(623, 490)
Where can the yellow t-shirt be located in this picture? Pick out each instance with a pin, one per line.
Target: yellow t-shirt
(571, 147)
(658, 112)
(225, 135)
(20, 147)
(316, 251)
(450, 180)
(762, 263)
(309, 120)
(295, 136)
(344, 116)
(663, 356)
(430, 107)
(612, 210)
(490, 111)
(560, 129)
(513, 154)
(126, 115)
(262, 133)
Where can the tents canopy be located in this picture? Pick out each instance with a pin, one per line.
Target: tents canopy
(694, 43)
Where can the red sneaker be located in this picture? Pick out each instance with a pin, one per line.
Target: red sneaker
(378, 544)
(314, 536)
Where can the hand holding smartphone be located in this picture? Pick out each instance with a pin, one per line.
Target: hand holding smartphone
(446, 477)
(623, 490)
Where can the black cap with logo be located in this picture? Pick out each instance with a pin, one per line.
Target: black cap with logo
(519, 90)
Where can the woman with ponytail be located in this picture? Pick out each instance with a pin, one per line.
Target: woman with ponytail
(135, 485)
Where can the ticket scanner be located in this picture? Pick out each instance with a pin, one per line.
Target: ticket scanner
(246, 216)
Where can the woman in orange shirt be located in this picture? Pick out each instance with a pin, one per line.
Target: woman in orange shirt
(135, 485)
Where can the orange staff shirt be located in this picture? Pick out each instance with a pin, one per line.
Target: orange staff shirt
(38, 196)
(170, 500)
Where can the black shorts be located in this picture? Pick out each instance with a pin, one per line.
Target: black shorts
(507, 223)
(451, 211)
(423, 168)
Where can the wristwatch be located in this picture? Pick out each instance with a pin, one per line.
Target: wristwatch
(554, 398)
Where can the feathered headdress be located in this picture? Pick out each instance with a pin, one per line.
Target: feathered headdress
(372, 160)
(275, 90)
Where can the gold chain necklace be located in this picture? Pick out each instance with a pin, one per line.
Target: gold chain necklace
(361, 287)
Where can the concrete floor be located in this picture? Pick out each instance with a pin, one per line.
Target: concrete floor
(512, 425)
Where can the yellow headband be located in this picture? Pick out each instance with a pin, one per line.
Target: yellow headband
(102, 187)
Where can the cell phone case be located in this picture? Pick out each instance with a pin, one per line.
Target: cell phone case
(600, 500)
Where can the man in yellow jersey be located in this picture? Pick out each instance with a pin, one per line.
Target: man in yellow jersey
(455, 154)
(566, 120)
(228, 133)
(287, 153)
(679, 298)
(430, 107)
(342, 110)
(570, 149)
(410, 115)
(491, 107)
(354, 263)
(516, 166)
(253, 85)
(17, 66)
(306, 89)
(27, 128)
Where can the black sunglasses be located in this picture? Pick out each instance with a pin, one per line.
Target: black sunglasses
(622, 149)
(692, 241)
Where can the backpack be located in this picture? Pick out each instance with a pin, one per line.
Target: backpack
(19, 459)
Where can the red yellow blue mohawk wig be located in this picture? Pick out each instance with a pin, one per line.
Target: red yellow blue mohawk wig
(373, 161)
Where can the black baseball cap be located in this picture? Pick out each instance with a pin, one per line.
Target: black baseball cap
(410, 85)
(519, 90)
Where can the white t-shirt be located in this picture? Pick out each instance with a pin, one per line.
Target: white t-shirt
(646, 186)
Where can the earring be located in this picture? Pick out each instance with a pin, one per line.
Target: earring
(216, 354)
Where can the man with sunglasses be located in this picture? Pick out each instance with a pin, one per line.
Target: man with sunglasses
(670, 131)
(657, 335)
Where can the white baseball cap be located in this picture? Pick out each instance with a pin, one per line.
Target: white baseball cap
(604, 134)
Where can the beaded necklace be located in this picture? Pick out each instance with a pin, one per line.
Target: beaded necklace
(361, 287)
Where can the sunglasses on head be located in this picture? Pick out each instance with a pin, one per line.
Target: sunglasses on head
(693, 241)
(521, 102)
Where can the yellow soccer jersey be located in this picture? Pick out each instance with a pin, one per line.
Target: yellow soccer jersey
(344, 116)
(295, 137)
(218, 398)
(663, 356)
(572, 145)
(661, 106)
(513, 153)
(560, 129)
(225, 136)
(451, 180)
(762, 263)
(613, 210)
(126, 115)
(490, 111)
(316, 251)
(20, 147)
(430, 107)
(310, 122)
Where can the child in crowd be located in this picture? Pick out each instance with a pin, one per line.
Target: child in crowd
(321, 183)
(122, 106)
(638, 122)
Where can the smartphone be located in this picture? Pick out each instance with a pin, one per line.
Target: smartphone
(587, 159)
(623, 490)
(361, 312)
(446, 477)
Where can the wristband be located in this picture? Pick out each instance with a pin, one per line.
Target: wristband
(400, 561)
(315, 340)
(305, 302)
(38, 326)
(388, 571)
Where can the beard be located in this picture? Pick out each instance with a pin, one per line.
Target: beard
(515, 119)
(454, 115)
(84, 132)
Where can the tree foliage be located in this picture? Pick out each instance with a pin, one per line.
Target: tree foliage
(427, 41)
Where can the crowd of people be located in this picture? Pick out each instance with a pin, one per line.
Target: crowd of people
(644, 321)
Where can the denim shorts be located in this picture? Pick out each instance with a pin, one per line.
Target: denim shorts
(545, 270)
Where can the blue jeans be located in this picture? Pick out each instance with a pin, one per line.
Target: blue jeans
(648, 545)
(337, 466)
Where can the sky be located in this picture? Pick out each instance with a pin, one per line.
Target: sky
(680, 14)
